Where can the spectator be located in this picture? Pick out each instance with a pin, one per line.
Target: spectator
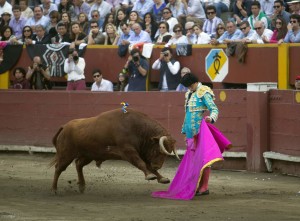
(127, 5)
(20, 81)
(80, 6)
(220, 5)
(219, 31)
(137, 68)
(183, 72)
(241, 10)
(231, 34)
(142, 7)
(167, 17)
(96, 16)
(51, 28)
(177, 8)
(150, 25)
(5, 7)
(157, 9)
(297, 83)
(95, 36)
(293, 36)
(247, 32)
(6, 34)
(139, 36)
(121, 17)
(294, 6)
(67, 6)
(101, 84)
(74, 66)
(267, 7)
(112, 36)
(212, 21)
(126, 33)
(48, 7)
(77, 36)
(103, 7)
(178, 37)
(27, 34)
(83, 23)
(109, 18)
(164, 36)
(17, 23)
(262, 35)
(5, 18)
(26, 12)
(115, 4)
(37, 19)
(41, 36)
(62, 35)
(66, 19)
(201, 37)
(257, 15)
(280, 30)
(194, 9)
(279, 10)
(169, 70)
(122, 84)
(134, 18)
(190, 32)
(38, 75)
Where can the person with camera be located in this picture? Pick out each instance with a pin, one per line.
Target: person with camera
(74, 66)
(169, 70)
(38, 75)
(137, 69)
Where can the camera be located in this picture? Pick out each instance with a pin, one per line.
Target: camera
(135, 58)
(40, 65)
(166, 54)
(75, 58)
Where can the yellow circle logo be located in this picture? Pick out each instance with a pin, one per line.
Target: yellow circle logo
(222, 96)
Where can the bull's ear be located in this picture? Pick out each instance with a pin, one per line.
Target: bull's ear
(155, 139)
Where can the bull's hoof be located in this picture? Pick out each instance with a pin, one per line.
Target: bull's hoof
(163, 180)
(150, 176)
(98, 163)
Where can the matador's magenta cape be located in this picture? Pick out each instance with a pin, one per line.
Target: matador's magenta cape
(209, 146)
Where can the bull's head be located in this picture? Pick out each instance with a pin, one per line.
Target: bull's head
(162, 146)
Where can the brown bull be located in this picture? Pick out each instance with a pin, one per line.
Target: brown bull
(113, 135)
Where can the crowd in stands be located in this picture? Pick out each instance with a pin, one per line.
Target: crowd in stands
(165, 22)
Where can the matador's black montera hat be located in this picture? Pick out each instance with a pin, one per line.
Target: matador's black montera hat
(188, 79)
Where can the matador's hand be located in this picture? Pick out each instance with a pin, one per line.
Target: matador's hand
(208, 119)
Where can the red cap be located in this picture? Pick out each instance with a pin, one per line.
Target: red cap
(298, 77)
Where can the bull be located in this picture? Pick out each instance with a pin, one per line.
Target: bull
(113, 135)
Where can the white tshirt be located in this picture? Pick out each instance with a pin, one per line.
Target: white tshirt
(105, 85)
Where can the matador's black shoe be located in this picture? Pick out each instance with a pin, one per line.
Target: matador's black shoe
(198, 193)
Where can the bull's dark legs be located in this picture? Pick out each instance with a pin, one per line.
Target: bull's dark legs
(160, 178)
(80, 163)
(60, 166)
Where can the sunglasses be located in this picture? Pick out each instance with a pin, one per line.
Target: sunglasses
(276, 6)
(27, 30)
(258, 28)
(166, 12)
(293, 21)
(162, 27)
(97, 76)
(210, 13)
(176, 31)
(242, 29)
(221, 28)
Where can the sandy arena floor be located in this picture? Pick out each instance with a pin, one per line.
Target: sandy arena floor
(118, 191)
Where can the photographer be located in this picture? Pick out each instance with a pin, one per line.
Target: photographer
(169, 70)
(38, 75)
(137, 68)
(74, 66)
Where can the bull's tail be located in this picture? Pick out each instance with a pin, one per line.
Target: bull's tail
(54, 141)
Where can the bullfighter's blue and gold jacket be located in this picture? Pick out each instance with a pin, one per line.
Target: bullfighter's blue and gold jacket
(200, 101)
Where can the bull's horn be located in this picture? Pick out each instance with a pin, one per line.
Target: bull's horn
(175, 152)
(161, 145)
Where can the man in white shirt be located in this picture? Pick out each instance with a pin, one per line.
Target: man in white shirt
(262, 35)
(194, 9)
(102, 6)
(101, 84)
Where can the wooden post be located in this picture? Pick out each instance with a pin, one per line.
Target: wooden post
(4, 80)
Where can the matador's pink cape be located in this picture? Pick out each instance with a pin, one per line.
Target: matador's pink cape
(209, 148)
